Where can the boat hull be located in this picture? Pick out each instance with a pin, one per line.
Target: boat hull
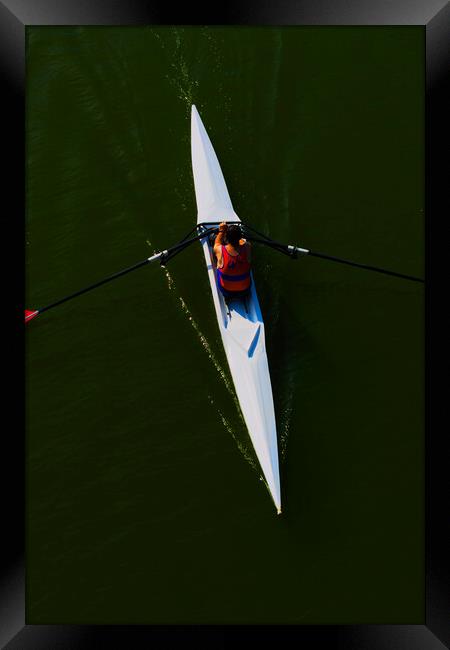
(240, 322)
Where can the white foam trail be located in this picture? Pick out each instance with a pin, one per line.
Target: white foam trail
(170, 282)
(223, 375)
(242, 448)
(207, 347)
(181, 79)
(203, 340)
(286, 418)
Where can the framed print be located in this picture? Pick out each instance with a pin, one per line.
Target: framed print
(143, 480)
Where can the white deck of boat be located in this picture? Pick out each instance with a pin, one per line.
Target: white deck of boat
(242, 330)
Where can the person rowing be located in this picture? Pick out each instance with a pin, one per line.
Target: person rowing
(233, 255)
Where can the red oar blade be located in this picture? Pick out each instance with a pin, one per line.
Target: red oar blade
(29, 315)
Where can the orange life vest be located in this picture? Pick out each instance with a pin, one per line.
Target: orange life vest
(235, 272)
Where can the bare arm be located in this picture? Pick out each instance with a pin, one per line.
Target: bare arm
(218, 244)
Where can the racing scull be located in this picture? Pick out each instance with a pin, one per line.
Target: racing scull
(241, 324)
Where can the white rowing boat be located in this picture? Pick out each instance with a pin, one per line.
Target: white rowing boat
(241, 324)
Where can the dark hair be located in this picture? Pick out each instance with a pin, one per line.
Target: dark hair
(234, 234)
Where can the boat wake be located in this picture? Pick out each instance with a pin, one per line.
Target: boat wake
(242, 448)
(208, 350)
(204, 342)
(245, 451)
(179, 76)
(286, 418)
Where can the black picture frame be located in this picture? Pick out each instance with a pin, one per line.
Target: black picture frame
(434, 16)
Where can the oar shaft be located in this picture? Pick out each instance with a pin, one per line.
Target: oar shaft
(163, 256)
(293, 251)
(365, 266)
(99, 283)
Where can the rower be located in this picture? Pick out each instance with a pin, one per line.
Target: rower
(233, 261)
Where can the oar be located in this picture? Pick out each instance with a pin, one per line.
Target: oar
(294, 251)
(303, 251)
(163, 257)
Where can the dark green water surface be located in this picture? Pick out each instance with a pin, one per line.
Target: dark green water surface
(144, 503)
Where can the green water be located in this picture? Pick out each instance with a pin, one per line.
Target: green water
(144, 503)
